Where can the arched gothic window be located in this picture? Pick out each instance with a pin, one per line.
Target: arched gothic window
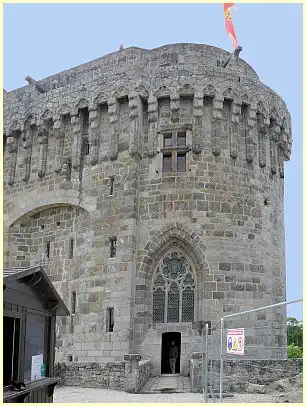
(173, 290)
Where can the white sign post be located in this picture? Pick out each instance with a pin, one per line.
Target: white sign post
(235, 341)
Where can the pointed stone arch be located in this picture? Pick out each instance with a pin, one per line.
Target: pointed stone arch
(64, 109)
(142, 90)
(47, 115)
(163, 240)
(82, 103)
(186, 90)
(101, 98)
(229, 93)
(14, 126)
(210, 91)
(245, 98)
(31, 119)
(163, 91)
(120, 92)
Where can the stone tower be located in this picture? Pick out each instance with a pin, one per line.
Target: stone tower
(149, 184)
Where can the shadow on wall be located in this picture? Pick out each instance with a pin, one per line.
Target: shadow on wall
(53, 236)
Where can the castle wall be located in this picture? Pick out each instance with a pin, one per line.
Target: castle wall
(106, 120)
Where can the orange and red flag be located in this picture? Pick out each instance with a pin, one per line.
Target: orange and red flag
(229, 24)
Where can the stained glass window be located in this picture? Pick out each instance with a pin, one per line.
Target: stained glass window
(173, 290)
(159, 306)
(173, 303)
(188, 304)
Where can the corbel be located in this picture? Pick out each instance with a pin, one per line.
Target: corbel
(175, 106)
(250, 127)
(152, 119)
(135, 114)
(94, 138)
(113, 117)
(262, 130)
(274, 135)
(76, 142)
(198, 103)
(217, 124)
(59, 132)
(234, 128)
(43, 135)
(12, 145)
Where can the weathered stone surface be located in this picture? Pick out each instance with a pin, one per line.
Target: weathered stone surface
(121, 375)
(255, 388)
(248, 376)
(83, 163)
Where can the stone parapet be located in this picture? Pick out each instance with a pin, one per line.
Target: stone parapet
(238, 374)
(130, 375)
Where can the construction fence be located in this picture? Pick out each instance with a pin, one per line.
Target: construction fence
(245, 357)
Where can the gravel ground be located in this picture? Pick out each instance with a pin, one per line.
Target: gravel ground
(73, 394)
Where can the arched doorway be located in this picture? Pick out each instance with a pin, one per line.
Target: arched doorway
(171, 347)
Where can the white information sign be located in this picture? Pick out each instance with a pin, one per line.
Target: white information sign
(37, 361)
(235, 341)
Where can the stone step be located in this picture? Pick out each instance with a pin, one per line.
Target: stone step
(167, 384)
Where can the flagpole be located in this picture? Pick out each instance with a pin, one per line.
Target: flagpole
(235, 53)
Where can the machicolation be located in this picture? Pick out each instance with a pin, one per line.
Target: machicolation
(149, 185)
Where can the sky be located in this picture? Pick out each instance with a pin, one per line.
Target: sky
(43, 39)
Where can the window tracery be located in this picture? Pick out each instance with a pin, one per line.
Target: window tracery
(173, 290)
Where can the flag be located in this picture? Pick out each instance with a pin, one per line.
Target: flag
(229, 24)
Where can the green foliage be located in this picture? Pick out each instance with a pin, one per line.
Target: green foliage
(294, 332)
(294, 351)
(294, 338)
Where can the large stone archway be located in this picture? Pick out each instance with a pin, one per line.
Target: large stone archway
(52, 236)
(34, 201)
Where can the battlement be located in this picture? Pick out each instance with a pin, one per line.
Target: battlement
(199, 54)
(106, 107)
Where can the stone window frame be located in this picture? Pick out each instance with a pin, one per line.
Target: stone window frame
(110, 319)
(71, 248)
(112, 247)
(73, 302)
(111, 185)
(48, 249)
(191, 270)
(174, 149)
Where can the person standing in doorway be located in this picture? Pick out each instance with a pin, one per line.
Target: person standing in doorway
(173, 354)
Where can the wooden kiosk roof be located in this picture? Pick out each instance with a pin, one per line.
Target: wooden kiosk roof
(37, 277)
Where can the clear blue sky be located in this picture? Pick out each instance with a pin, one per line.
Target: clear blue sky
(44, 39)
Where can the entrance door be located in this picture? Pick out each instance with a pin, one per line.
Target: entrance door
(170, 340)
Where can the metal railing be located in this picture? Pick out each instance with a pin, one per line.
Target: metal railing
(253, 374)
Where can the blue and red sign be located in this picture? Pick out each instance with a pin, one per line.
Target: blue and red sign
(235, 341)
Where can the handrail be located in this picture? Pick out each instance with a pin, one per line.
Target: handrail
(9, 394)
